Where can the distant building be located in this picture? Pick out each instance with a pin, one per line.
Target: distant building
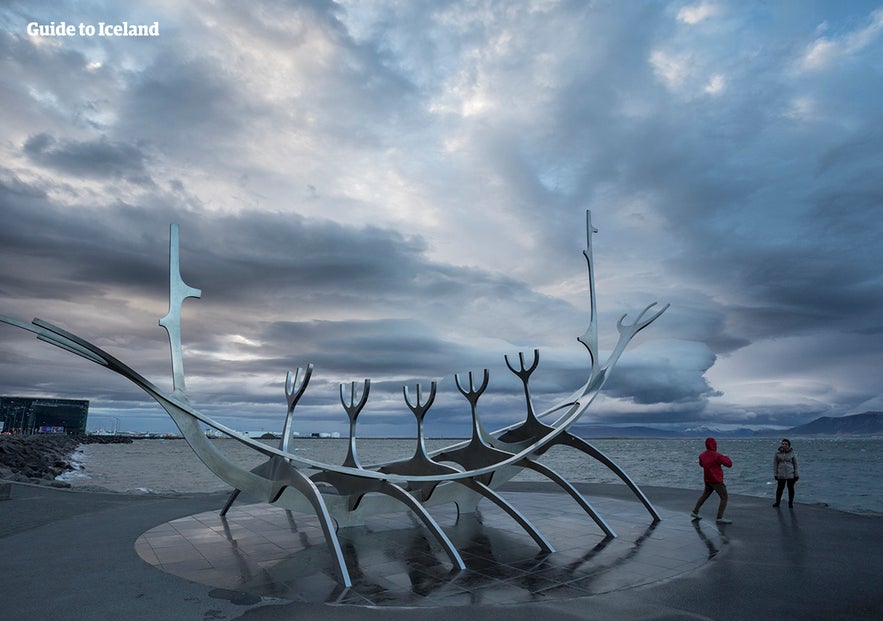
(262, 435)
(29, 415)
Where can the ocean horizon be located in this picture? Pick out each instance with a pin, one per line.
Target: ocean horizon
(839, 472)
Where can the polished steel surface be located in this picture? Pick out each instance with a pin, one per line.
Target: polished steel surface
(346, 495)
(270, 552)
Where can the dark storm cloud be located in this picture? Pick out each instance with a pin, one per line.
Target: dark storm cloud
(240, 260)
(397, 192)
(72, 249)
(174, 102)
(256, 274)
(755, 217)
(98, 159)
(674, 377)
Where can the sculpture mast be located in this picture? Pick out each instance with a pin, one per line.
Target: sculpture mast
(178, 292)
(590, 337)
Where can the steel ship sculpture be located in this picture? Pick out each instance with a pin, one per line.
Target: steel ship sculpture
(464, 473)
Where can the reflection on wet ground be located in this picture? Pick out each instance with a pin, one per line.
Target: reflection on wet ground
(269, 552)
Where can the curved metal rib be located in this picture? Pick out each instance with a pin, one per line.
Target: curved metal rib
(196, 438)
(283, 475)
(479, 453)
(356, 488)
(421, 463)
(229, 503)
(295, 385)
(568, 439)
(400, 494)
(568, 487)
(503, 504)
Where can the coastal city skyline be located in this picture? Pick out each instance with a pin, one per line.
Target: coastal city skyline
(398, 192)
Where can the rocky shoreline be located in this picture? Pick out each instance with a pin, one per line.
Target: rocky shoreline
(40, 458)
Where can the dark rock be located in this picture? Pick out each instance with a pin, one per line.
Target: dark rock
(105, 440)
(41, 457)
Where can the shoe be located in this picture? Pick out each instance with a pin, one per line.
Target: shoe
(775, 504)
(695, 516)
(723, 521)
(791, 505)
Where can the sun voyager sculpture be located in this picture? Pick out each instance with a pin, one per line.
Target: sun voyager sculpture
(464, 473)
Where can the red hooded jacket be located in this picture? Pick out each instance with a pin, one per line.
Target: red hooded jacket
(711, 462)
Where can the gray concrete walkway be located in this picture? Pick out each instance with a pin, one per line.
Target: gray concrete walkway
(87, 555)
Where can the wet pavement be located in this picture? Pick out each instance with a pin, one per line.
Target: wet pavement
(83, 555)
(270, 552)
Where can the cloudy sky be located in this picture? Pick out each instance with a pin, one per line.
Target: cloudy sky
(397, 191)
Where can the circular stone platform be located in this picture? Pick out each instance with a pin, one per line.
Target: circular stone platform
(264, 551)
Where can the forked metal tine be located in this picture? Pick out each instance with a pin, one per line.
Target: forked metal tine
(295, 385)
(419, 409)
(640, 323)
(343, 396)
(472, 394)
(353, 408)
(622, 325)
(524, 372)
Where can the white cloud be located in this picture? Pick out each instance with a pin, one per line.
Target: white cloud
(802, 109)
(697, 13)
(672, 69)
(820, 54)
(716, 85)
(681, 74)
(824, 51)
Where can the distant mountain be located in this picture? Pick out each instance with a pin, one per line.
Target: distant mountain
(867, 423)
(605, 431)
(636, 431)
(704, 432)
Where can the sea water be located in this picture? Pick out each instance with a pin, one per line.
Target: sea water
(843, 473)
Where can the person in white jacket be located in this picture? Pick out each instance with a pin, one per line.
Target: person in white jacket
(785, 471)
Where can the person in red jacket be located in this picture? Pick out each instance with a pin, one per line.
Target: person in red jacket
(711, 462)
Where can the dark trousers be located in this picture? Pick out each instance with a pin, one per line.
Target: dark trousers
(721, 490)
(780, 487)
